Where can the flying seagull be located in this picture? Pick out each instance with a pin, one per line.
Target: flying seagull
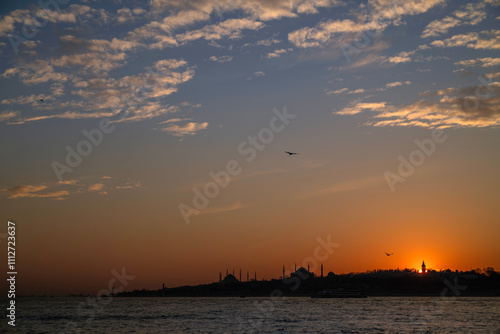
(389, 254)
(291, 153)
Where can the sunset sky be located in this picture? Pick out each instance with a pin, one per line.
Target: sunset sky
(171, 91)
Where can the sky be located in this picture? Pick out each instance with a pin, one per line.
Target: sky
(150, 138)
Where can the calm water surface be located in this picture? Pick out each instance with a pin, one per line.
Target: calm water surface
(258, 315)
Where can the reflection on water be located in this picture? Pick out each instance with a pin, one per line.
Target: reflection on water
(261, 315)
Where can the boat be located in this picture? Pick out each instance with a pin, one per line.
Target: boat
(339, 293)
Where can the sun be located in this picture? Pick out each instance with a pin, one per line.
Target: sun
(420, 271)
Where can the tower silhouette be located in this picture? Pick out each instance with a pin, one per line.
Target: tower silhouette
(424, 270)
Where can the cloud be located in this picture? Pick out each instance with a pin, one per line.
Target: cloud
(376, 16)
(138, 97)
(36, 72)
(126, 15)
(230, 28)
(394, 84)
(256, 75)
(277, 53)
(395, 9)
(263, 10)
(6, 115)
(338, 91)
(33, 191)
(489, 40)
(324, 32)
(221, 59)
(361, 90)
(475, 106)
(359, 107)
(268, 42)
(187, 129)
(68, 182)
(481, 62)
(63, 189)
(96, 187)
(346, 90)
(402, 57)
(470, 14)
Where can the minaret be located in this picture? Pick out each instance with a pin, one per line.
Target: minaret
(163, 286)
(322, 270)
(220, 277)
(423, 268)
(283, 273)
(308, 269)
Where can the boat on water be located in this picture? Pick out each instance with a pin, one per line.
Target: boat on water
(340, 293)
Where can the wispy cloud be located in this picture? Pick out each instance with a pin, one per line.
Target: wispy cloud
(186, 129)
(470, 14)
(63, 189)
(451, 110)
(221, 59)
(480, 62)
(256, 75)
(486, 39)
(277, 53)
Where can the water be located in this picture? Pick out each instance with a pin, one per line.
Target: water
(257, 315)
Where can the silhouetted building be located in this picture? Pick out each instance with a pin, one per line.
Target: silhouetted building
(424, 270)
(229, 279)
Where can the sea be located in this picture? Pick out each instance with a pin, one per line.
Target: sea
(255, 315)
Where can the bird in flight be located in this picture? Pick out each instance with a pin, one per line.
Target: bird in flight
(41, 100)
(291, 153)
(389, 254)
